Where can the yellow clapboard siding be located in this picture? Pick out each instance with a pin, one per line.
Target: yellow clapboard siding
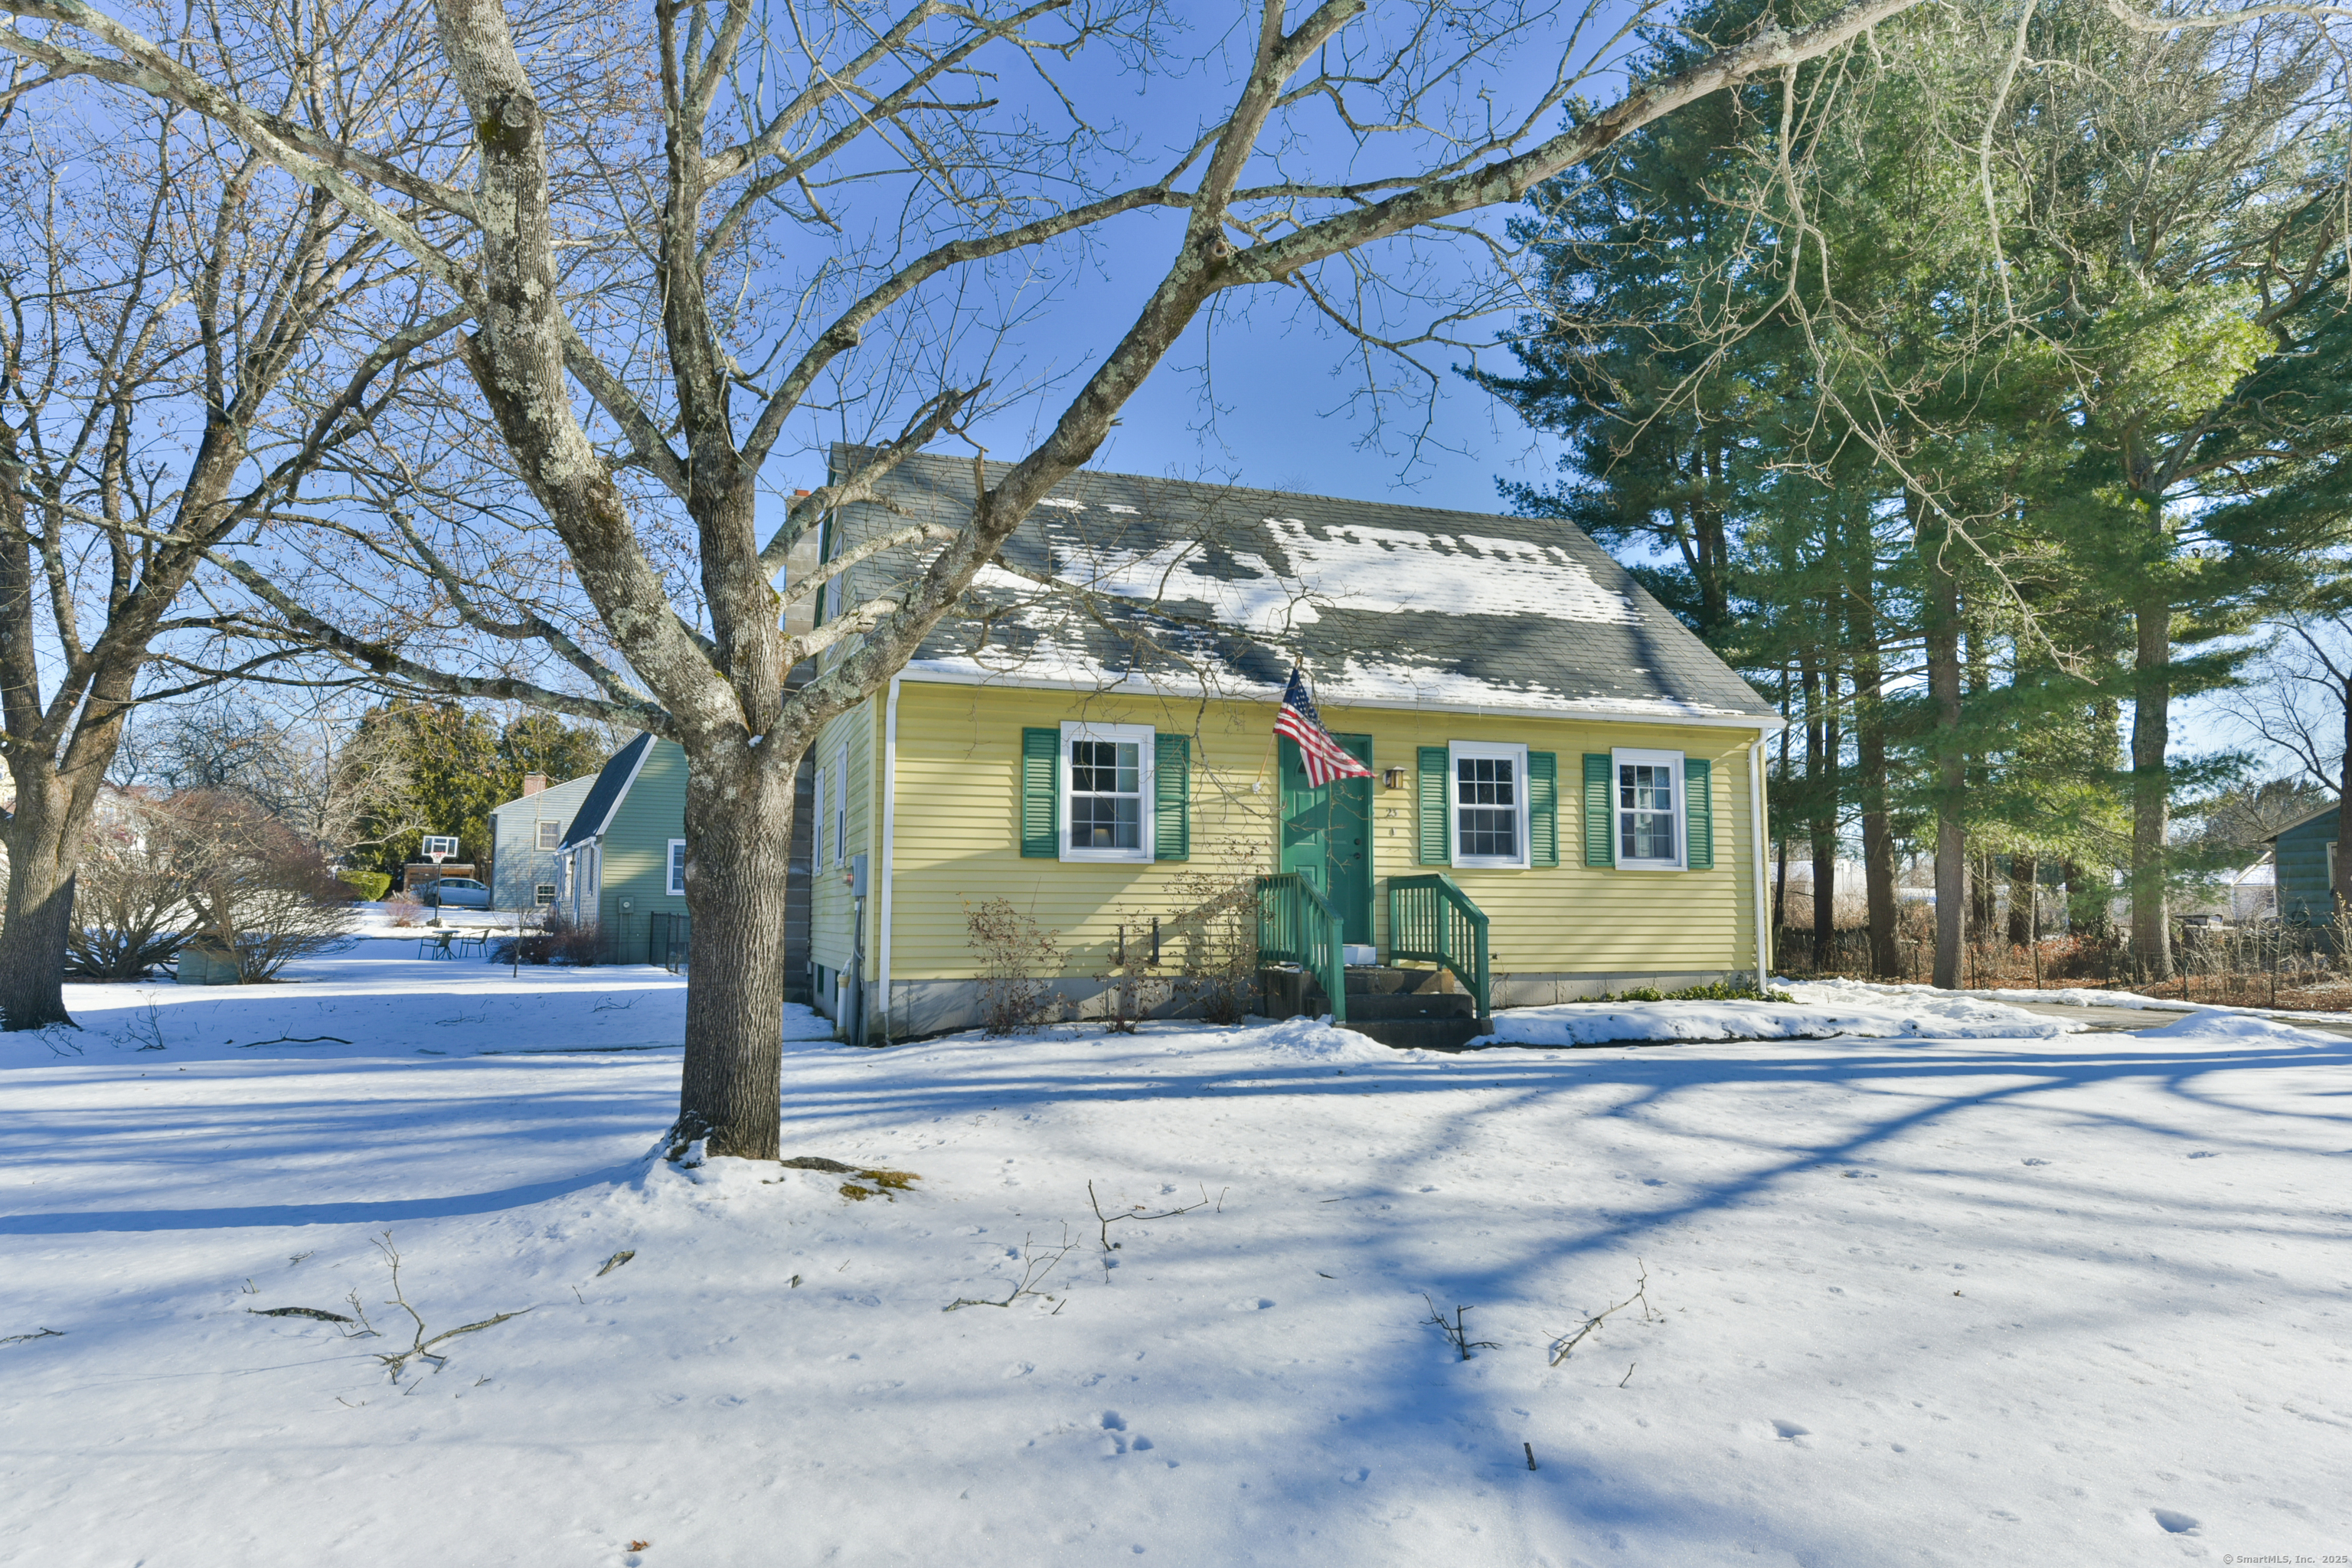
(957, 773)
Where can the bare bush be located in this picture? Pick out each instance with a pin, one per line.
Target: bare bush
(1216, 935)
(131, 896)
(557, 941)
(1018, 959)
(261, 893)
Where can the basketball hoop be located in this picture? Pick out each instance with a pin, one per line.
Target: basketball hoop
(438, 847)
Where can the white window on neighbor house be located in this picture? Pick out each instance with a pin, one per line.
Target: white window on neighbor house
(841, 803)
(1650, 808)
(1108, 772)
(1489, 808)
(544, 894)
(677, 868)
(551, 835)
(819, 826)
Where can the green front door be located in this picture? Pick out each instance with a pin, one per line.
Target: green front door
(1328, 834)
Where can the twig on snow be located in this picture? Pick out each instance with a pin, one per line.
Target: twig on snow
(1456, 1332)
(1641, 1294)
(1036, 1263)
(290, 1040)
(43, 1335)
(616, 1261)
(1105, 1221)
(420, 1349)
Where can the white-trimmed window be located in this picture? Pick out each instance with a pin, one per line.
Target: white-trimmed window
(1487, 812)
(1107, 778)
(542, 894)
(677, 868)
(1649, 810)
(819, 825)
(550, 835)
(841, 806)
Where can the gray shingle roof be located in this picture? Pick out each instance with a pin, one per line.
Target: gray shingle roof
(612, 783)
(1182, 583)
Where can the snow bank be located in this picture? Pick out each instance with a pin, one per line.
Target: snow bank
(1810, 1017)
(2069, 997)
(2219, 1026)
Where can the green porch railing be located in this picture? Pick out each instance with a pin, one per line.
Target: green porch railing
(1297, 924)
(1430, 920)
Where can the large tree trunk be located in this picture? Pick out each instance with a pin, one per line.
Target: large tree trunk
(44, 841)
(738, 833)
(1870, 761)
(2151, 788)
(1951, 762)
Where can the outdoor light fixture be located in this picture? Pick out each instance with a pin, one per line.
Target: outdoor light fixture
(1393, 778)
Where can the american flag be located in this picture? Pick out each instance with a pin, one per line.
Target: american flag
(1325, 759)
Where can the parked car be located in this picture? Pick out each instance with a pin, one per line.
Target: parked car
(456, 893)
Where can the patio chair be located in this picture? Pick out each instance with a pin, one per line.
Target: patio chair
(437, 946)
(470, 944)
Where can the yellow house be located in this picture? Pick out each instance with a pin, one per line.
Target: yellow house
(1550, 752)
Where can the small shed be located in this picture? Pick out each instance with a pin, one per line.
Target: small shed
(2303, 858)
(202, 965)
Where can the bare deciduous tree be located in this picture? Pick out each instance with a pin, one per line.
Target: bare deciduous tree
(811, 216)
(161, 287)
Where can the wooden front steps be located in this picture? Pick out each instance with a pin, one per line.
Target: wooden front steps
(1411, 1009)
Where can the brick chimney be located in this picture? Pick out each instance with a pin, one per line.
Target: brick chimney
(534, 783)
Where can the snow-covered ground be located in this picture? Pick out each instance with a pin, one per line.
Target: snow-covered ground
(1938, 1297)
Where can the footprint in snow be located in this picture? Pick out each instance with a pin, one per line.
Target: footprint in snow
(2037, 1162)
(2202, 1155)
(1253, 1304)
(2174, 1523)
(1790, 1430)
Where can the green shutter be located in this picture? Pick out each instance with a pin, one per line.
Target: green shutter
(1599, 817)
(1698, 813)
(1434, 797)
(1543, 808)
(1172, 831)
(1041, 824)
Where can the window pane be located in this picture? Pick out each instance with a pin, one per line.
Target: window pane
(1106, 822)
(1487, 802)
(1486, 780)
(1485, 831)
(1645, 812)
(1106, 794)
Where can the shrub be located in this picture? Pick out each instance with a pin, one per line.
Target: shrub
(259, 891)
(1718, 991)
(557, 941)
(403, 907)
(131, 896)
(1017, 958)
(371, 885)
(1217, 937)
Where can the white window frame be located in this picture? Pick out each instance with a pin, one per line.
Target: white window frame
(551, 831)
(1673, 763)
(542, 895)
(1147, 791)
(1506, 751)
(676, 865)
(819, 823)
(841, 803)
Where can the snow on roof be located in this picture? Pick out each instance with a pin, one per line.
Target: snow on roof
(1121, 578)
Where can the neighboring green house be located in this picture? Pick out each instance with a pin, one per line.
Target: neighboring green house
(526, 836)
(621, 865)
(2305, 860)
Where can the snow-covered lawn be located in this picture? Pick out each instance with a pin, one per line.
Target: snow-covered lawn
(2025, 1297)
